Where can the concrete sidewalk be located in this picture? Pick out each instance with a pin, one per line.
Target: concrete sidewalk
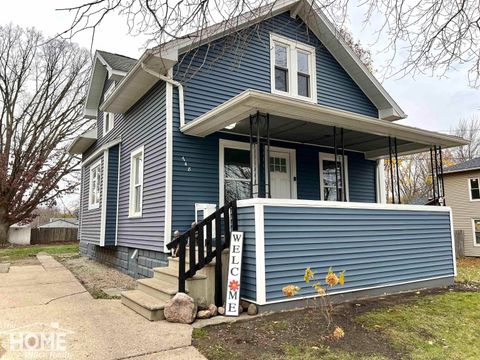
(48, 299)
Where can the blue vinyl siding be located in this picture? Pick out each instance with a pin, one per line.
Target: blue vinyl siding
(375, 246)
(91, 218)
(112, 191)
(246, 222)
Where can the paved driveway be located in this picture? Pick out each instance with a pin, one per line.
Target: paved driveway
(46, 313)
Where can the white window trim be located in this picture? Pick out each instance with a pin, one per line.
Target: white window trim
(293, 168)
(95, 165)
(230, 144)
(331, 157)
(293, 46)
(112, 121)
(470, 189)
(473, 232)
(131, 209)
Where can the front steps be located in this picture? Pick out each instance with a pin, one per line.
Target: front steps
(152, 294)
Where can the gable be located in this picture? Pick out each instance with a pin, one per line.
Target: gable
(214, 73)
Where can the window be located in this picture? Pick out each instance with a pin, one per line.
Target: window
(108, 120)
(476, 232)
(235, 172)
(474, 189)
(94, 191)
(293, 68)
(136, 183)
(328, 187)
(278, 164)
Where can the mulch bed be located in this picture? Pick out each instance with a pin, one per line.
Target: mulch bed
(268, 336)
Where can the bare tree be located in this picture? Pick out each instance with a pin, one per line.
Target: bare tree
(42, 90)
(429, 36)
(468, 129)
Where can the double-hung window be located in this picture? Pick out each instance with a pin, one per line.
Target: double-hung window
(474, 188)
(95, 185)
(136, 182)
(292, 68)
(235, 171)
(476, 232)
(108, 122)
(330, 177)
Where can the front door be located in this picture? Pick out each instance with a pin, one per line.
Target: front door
(282, 173)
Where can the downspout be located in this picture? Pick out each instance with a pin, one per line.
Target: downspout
(174, 83)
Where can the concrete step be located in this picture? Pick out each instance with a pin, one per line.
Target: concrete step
(173, 262)
(170, 275)
(148, 306)
(158, 288)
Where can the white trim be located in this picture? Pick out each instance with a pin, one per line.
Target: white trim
(446, 172)
(100, 150)
(169, 164)
(331, 157)
(380, 182)
(103, 219)
(293, 47)
(337, 204)
(470, 188)
(355, 290)
(118, 193)
(109, 90)
(293, 167)
(131, 211)
(111, 120)
(95, 165)
(452, 235)
(230, 144)
(111, 71)
(261, 290)
(473, 231)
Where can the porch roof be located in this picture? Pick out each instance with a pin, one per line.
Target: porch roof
(301, 121)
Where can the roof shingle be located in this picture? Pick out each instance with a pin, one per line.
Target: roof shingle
(116, 61)
(465, 166)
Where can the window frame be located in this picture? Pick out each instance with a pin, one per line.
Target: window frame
(95, 167)
(474, 232)
(112, 122)
(331, 157)
(131, 201)
(230, 144)
(293, 47)
(470, 188)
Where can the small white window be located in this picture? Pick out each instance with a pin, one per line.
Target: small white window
(94, 191)
(328, 179)
(108, 122)
(476, 232)
(136, 182)
(474, 188)
(292, 68)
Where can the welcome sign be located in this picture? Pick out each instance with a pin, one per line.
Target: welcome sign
(232, 305)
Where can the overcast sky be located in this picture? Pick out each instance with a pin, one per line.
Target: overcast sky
(432, 103)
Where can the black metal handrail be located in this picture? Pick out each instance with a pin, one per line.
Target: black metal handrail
(194, 238)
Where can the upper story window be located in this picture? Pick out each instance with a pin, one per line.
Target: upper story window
(108, 122)
(292, 68)
(474, 186)
(136, 182)
(94, 191)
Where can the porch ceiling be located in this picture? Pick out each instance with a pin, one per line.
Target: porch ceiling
(304, 122)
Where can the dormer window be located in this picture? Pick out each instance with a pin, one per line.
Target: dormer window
(292, 68)
(108, 122)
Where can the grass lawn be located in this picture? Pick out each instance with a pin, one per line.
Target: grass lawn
(23, 252)
(434, 324)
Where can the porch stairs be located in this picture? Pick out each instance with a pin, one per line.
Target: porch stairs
(151, 294)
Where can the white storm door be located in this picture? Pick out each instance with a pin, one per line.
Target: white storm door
(282, 174)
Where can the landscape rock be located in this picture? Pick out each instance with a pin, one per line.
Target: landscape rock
(221, 310)
(4, 267)
(244, 305)
(213, 309)
(204, 314)
(252, 309)
(240, 310)
(180, 309)
(202, 303)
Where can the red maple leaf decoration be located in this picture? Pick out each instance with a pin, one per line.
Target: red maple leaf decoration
(234, 285)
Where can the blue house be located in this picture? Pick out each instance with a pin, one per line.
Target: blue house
(275, 129)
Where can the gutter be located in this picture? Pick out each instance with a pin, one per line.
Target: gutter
(174, 83)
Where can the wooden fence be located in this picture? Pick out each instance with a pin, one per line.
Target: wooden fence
(459, 236)
(53, 235)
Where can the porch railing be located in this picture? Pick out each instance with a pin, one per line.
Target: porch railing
(205, 245)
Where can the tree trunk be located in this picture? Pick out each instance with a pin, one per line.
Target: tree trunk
(4, 226)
